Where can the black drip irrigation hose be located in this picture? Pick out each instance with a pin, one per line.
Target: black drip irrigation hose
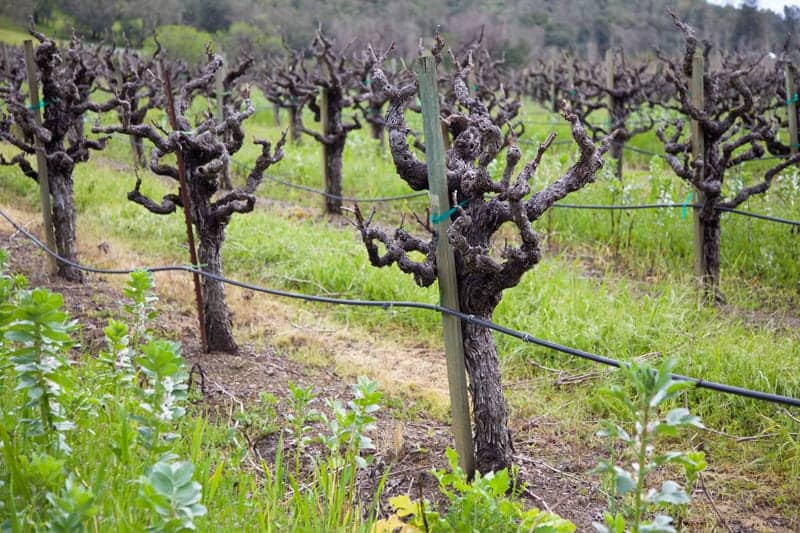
(383, 199)
(334, 196)
(624, 207)
(386, 305)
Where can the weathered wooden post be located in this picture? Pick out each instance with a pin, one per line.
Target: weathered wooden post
(187, 211)
(276, 113)
(41, 159)
(610, 84)
(333, 202)
(445, 263)
(554, 87)
(791, 107)
(571, 77)
(698, 151)
(445, 134)
(613, 110)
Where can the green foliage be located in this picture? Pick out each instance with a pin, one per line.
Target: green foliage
(347, 429)
(183, 43)
(169, 490)
(557, 34)
(135, 463)
(72, 507)
(245, 38)
(163, 392)
(260, 419)
(630, 499)
(141, 308)
(299, 415)
(36, 331)
(61, 480)
(488, 503)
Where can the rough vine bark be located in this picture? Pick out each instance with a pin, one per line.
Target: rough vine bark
(334, 79)
(67, 80)
(231, 98)
(734, 132)
(489, 82)
(482, 205)
(633, 88)
(286, 85)
(205, 147)
(126, 74)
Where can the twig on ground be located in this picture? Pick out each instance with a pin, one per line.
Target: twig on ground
(713, 505)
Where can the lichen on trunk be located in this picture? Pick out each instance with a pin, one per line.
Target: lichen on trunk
(67, 78)
(733, 128)
(205, 150)
(481, 205)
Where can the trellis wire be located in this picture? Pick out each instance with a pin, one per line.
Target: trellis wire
(387, 304)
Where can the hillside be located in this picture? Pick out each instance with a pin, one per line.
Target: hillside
(521, 29)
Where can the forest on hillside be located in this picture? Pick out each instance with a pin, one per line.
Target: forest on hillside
(520, 29)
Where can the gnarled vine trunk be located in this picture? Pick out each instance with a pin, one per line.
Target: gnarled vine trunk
(295, 124)
(334, 152)
(64, 221)
(493, 446)
(710, 231)
(481, 205)
(219, 326)
(218, 323)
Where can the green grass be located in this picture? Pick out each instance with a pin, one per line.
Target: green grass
(622, 292)
(127, 419)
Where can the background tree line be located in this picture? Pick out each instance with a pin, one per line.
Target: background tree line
(516, 28)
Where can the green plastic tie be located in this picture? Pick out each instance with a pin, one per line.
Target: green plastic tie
(436, 219)
(686, 204)
(475, 87)
(793, 100)
(42, 104)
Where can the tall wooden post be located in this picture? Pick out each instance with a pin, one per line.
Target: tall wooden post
(187, 210)
(6, 66)
(445, 264)
(571, 77)
(326, 169)
(610, 84)
(445, 134)
(791, 107)
(554, 87)
(294, 110)
(698, 151)
(41, 159)
(276, 113)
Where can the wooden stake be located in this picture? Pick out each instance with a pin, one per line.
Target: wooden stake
(445, 135)
(571, 77)
(698, 150)
(791, 107)
(219, 90)
(445, 264)
(41, 159)
(187, 213)
(332, 205)
(610, 84)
